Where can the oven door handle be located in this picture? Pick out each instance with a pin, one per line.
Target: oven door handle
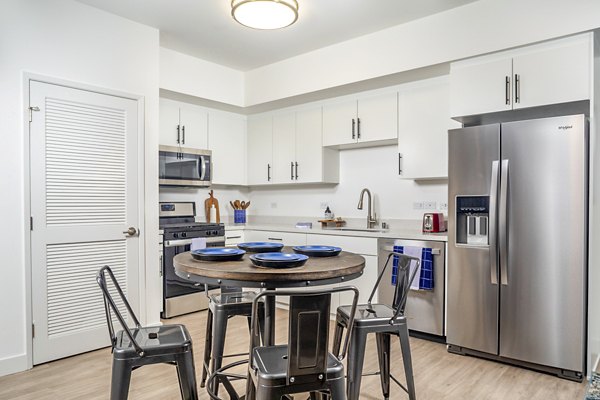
(185, 242)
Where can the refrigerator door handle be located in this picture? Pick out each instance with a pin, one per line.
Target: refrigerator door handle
(492, 224)
(503, 222)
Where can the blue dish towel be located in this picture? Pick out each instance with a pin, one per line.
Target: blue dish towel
(425, 277)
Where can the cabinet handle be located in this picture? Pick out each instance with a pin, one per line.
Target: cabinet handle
(517, 88)
(353, 125)
(358, 128)
(296, 170)
(268, 172)
(292, 170)
(178, 134)
(399, 164)
(507, 90)
(233, 237)
(183, 134)
(279, 239)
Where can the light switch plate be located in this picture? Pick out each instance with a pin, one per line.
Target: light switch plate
(418, 205)
(429, 205)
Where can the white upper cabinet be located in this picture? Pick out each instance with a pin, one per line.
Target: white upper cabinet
(227, 140)
(371, 120)
(481, 88)
(339, 123)
(555, 75)
(284, 147)
(424, 120)
(548, 73)
(314, 163)
(260, 150)
(296, 155)
(183, 124)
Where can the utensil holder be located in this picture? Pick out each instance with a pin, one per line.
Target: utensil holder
(239, 216)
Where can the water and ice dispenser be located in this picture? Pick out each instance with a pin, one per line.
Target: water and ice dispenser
(472, 220)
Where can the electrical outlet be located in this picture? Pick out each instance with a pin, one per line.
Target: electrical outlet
(324, 205)
(429, 205)
(418, 205)
(443, 206)
(273, 205)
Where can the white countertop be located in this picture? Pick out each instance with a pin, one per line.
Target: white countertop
(401, 232)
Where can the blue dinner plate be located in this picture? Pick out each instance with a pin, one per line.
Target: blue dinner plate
(260, 247)
(278, 260)
(318, 251)
(218, 254)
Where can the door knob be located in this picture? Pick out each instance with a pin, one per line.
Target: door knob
(131, 231)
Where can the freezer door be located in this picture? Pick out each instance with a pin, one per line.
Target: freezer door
(472, 308)
(543, 249)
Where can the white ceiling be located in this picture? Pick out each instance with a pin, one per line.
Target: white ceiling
(205, 29)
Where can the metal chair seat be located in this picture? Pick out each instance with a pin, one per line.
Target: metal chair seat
(154, 341)
(370, 315)
(230, 298)
(271, 364)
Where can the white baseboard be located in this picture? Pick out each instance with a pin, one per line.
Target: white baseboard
(14, 364)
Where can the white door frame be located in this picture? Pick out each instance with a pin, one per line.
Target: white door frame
(140, 99)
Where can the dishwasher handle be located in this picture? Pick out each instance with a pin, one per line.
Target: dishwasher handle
(434, 251)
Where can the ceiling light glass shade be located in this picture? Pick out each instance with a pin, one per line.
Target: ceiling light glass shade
(265, 14)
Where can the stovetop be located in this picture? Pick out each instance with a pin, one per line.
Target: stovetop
(190, 226)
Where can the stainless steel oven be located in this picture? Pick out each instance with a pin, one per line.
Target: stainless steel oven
(180, 166)
(181, 232)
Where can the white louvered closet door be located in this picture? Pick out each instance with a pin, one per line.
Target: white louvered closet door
(84, 195)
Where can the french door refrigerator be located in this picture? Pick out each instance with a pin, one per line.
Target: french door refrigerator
(517, 243)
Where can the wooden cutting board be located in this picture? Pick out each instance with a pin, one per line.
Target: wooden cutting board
(208, 203)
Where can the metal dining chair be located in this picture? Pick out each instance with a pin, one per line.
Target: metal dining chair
(384, 320)
(139, 346)
(230, 302)
(305, 364)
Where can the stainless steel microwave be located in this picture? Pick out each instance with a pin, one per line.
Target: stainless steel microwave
(180, 166)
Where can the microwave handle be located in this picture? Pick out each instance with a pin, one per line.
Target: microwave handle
(202, 168)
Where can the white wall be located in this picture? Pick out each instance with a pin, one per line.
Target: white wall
(193, 76)
(373, 168)
(71, 41)
(476, 28)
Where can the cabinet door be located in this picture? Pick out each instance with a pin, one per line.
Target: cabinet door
(424, 120)
(194, 122)
(284, 133)
(233, 237)
(477, 88)
(309, 147)
(260, 150)
(227, 140)
(169, 120)
(556, 75)
(338, 123)
(378, 118)
(365, 283)
(287, 238)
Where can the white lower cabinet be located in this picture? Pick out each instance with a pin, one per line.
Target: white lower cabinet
(287, 238)
(366, 247)
(233, 237)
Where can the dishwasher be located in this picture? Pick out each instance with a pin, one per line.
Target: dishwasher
(425, 309)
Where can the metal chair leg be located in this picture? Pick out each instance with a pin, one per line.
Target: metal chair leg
(218, 343)
(383, 355)
(337, 389)
(337, 337)
(356, 357)
(407, 360)
(121, 377)
(207, 348)
(187, 376)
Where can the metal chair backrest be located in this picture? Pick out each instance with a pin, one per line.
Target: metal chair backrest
(308, 331)
(406, 275)
(110, 306)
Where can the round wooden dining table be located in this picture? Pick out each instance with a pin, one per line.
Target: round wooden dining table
(317, 271)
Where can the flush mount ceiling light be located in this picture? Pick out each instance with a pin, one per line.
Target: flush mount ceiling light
(265, 14)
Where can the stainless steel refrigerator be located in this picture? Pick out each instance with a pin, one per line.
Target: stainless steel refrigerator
(517, 243)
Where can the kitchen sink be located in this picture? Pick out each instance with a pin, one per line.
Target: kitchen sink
(357, 229)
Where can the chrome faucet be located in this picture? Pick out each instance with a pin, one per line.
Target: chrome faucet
(371, 217)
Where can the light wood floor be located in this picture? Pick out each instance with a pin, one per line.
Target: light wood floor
(438, 374)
